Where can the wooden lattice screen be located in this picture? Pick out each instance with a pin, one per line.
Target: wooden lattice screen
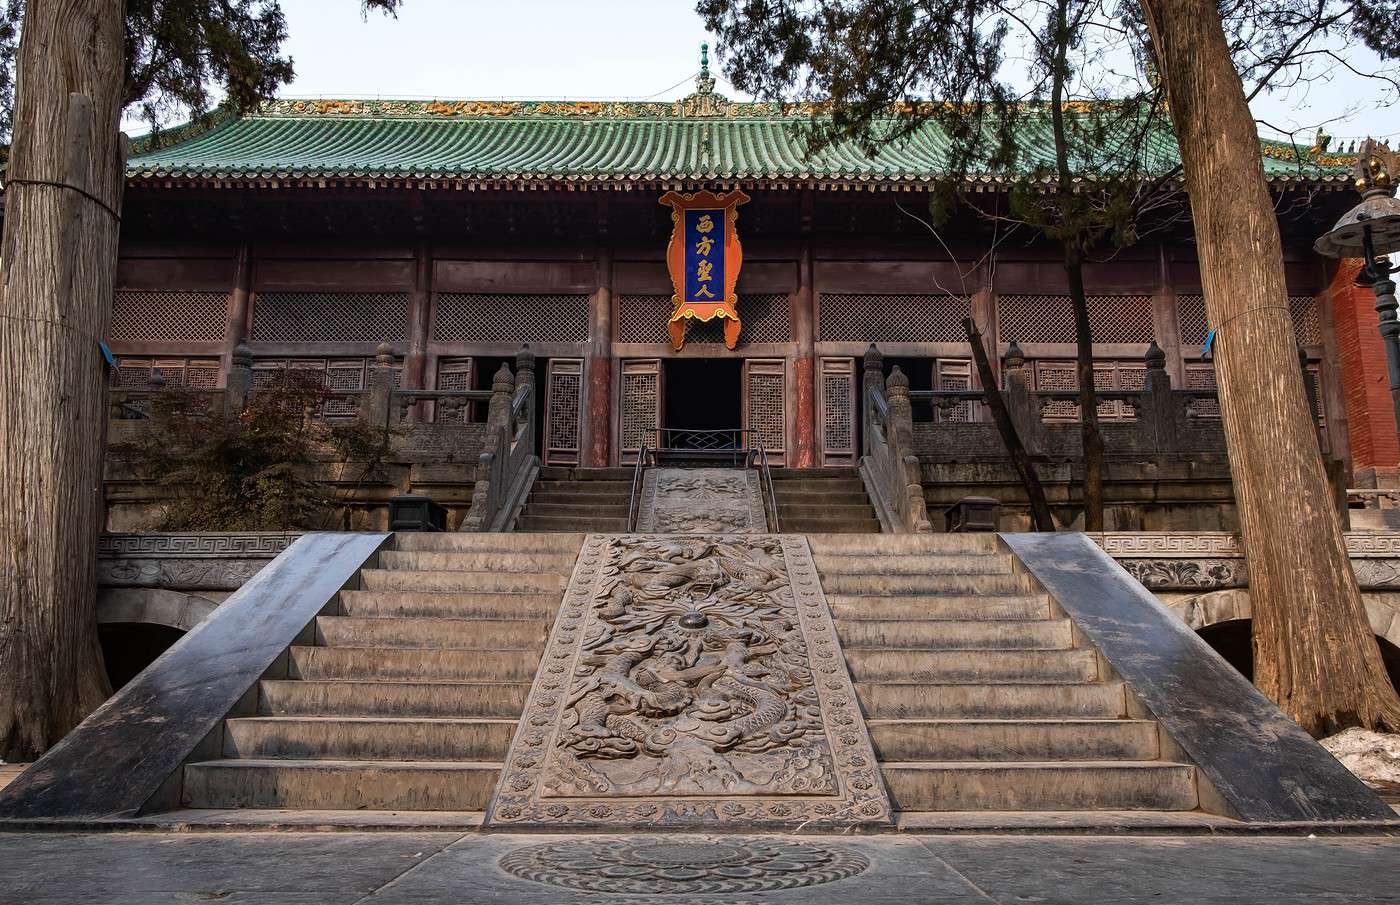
(837, 404)
(510, 318)
(765, 405)
(639, 414)
(563, 401)
(863, 318)
(329, 317)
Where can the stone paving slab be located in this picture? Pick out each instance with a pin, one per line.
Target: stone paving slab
(693, 869)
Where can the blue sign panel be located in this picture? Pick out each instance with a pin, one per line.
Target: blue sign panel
(704, 256)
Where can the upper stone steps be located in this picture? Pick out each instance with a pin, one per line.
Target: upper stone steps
(581, 521)
(540, 512)
(368, 738)
(924, 585)
(319, 785)
(469, 542)
(909, 700)
(927, 740)
(432, 633)
(403, 698)
(980, 665)
(881, 607)
(901, 545)
(1041, 786)
(462, 580)
(834, 564)
(938, 634)
(451, 561)
(412, 664)
(464, 605)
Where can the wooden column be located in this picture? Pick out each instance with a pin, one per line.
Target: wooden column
(1166, 323)
(804, 332)
(597, 429)
(236, 330)
(420, 305)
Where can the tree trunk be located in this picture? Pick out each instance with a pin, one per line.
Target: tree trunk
(1314, 651)
(996, 402)
(62, 197)
(1091, 438)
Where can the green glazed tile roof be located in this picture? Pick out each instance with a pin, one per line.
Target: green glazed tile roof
(493, 143)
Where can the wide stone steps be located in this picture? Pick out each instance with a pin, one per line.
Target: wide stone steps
(978, 634)
(1012, 583)
(469, 543)
(368, 738)
(404, 698)
(430, 633)
(398, 664)
(1041, 786)
(992, 700)
(503, 561)
(427, 604)
(938, 666)
(881, 607)
(451, 581)
(341, 784)
(796, 523)
(926, 740)
(844, 564)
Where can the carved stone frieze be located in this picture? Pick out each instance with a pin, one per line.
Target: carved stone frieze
(1194, 574)
(1160, 544)
(701, 500)
(180, 574)
(690, 866)
(692, 680)
(265, 544)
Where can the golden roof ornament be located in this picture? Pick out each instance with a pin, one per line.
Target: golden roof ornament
(1376, 168)
(704, 102)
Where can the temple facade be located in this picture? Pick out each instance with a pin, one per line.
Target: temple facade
(318, 234)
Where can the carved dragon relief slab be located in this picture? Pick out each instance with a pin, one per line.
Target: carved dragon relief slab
(692, 681)
(687, 500)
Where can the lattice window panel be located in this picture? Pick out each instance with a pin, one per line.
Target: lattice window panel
(954, 374)
(157, 315)
(838, 411)
(1060, 376)
(1191, 318)
(138, 373)
(333, 373)
(1050, 318)
(456, 374)
(563, 411)
(641, 401)
(1201, 376)
(643, 319)
(490, 317)
(847, 317)
(765, 411)
(327, 317)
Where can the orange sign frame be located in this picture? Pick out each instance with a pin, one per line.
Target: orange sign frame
(727, 305)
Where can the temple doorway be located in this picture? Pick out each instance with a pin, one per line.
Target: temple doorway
(702, 394)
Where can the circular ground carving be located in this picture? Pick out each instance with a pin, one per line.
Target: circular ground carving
(660, 865)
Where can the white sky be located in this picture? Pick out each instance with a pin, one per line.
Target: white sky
(610, 49)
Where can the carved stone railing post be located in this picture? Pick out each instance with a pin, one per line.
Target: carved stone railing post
(498, 428)
(1020, 404)
(374, 403)
(901, 438)
(239, 384)
(1158, 416)
(872, 382)
(525, 377)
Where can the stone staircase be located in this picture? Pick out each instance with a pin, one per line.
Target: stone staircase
(980, 695)
(407, 698)
(578, 500)
(823, 500)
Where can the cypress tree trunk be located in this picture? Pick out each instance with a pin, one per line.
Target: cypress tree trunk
(62, 198)
(1090, 436)
(1314, 652)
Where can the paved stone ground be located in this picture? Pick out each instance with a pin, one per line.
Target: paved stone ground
(374, 869)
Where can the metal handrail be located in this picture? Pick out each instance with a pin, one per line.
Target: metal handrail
(770, 499)
(636, 480)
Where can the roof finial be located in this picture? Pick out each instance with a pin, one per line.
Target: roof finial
(704, 82)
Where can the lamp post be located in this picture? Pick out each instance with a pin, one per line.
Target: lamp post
(1370, 231)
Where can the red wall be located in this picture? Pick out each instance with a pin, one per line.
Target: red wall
(1365, 386)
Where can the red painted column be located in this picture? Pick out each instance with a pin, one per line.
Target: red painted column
(1365, 385)
(598, 434)
(804, 376)
(419, 313)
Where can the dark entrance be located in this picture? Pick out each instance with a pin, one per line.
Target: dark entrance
(702, 395)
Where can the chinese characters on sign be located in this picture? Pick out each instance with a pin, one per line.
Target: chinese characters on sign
(704, 259)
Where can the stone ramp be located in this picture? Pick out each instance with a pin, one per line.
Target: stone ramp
(979, 693)
(407, 697)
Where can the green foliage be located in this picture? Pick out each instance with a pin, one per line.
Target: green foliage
(252, 470)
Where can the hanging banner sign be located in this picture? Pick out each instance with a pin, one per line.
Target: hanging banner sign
(704, 258)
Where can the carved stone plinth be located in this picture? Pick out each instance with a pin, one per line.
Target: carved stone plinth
(686, 500)
(692, 681)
